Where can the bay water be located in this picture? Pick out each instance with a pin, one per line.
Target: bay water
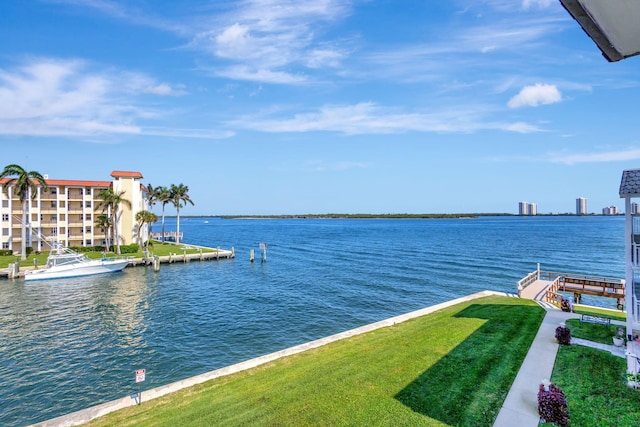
(73, 343)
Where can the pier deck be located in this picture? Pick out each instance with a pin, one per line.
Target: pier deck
(536, 290)
(547, 285)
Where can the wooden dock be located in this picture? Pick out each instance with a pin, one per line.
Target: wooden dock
(184, 258)
(547, 285)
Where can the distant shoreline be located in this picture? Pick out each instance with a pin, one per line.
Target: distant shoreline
(385, 216)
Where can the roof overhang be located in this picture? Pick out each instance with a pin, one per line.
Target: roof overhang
(612, 24)
(630, 184)
(126, 174)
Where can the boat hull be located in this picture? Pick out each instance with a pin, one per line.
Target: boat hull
(86, 269)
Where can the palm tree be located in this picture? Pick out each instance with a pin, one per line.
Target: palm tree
(163, 195)
(22, 184)
(111, 201)
(144, 217)
(152, 197)
(104, 221)
(179, 194)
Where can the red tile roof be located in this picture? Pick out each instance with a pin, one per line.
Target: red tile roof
(69, 182)
(126, 174)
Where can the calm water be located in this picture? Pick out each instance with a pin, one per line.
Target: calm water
(69, 344)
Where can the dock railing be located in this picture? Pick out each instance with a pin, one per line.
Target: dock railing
(551, 295)
(168, 235)
(529, 279)
(568, 282)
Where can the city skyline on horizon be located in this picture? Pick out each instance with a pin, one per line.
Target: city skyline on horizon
(531, 209)
(295, 107)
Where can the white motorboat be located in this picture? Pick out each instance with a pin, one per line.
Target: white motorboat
(64, 262)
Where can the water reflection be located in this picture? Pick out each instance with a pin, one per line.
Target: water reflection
(70, 344)
(68, 333)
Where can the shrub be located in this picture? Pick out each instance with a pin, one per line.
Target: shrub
(565, 306)
(6, 252)
(552, 405)
(129, 249)
(563, 335)
(29, 250)
(632, 380)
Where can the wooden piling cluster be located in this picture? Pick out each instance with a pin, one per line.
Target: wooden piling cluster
(156, 260)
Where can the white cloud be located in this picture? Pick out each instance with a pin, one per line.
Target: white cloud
(369, 118)
(49, 97)
(610, 156)
(538, 94)
(234, 42)
(165, 89)
(542, 4)
(261, 75)
(267, 39)
(319, 58)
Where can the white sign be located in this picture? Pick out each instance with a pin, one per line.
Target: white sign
(140, 374)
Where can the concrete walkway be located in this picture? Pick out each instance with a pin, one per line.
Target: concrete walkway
(520, 408)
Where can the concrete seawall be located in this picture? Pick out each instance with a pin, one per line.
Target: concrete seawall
(86, 415)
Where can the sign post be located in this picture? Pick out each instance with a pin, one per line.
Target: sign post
(140, 377)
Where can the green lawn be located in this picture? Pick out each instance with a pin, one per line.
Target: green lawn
(453, 367)
(160, 249)
(593, 383)
(593, 311)
(592, 331)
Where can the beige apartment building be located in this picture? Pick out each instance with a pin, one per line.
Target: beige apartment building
(66, 212)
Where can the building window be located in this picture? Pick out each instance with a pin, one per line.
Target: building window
(87, 229)
(5, 217)
(87, 242)
(54, 191)
(87, 204)
(34, 203)
(87, 191)
(54, 217)
(5, 203)
(87, 217)
(5, 231)
(54, 204)
(5, 245)
(54, 231)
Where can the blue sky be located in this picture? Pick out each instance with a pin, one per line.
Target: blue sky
(293, 107)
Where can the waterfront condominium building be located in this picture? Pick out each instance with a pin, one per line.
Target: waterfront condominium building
(635, 208)
(67, 210)
(610, 210)
(525, 208)
(581, 206)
